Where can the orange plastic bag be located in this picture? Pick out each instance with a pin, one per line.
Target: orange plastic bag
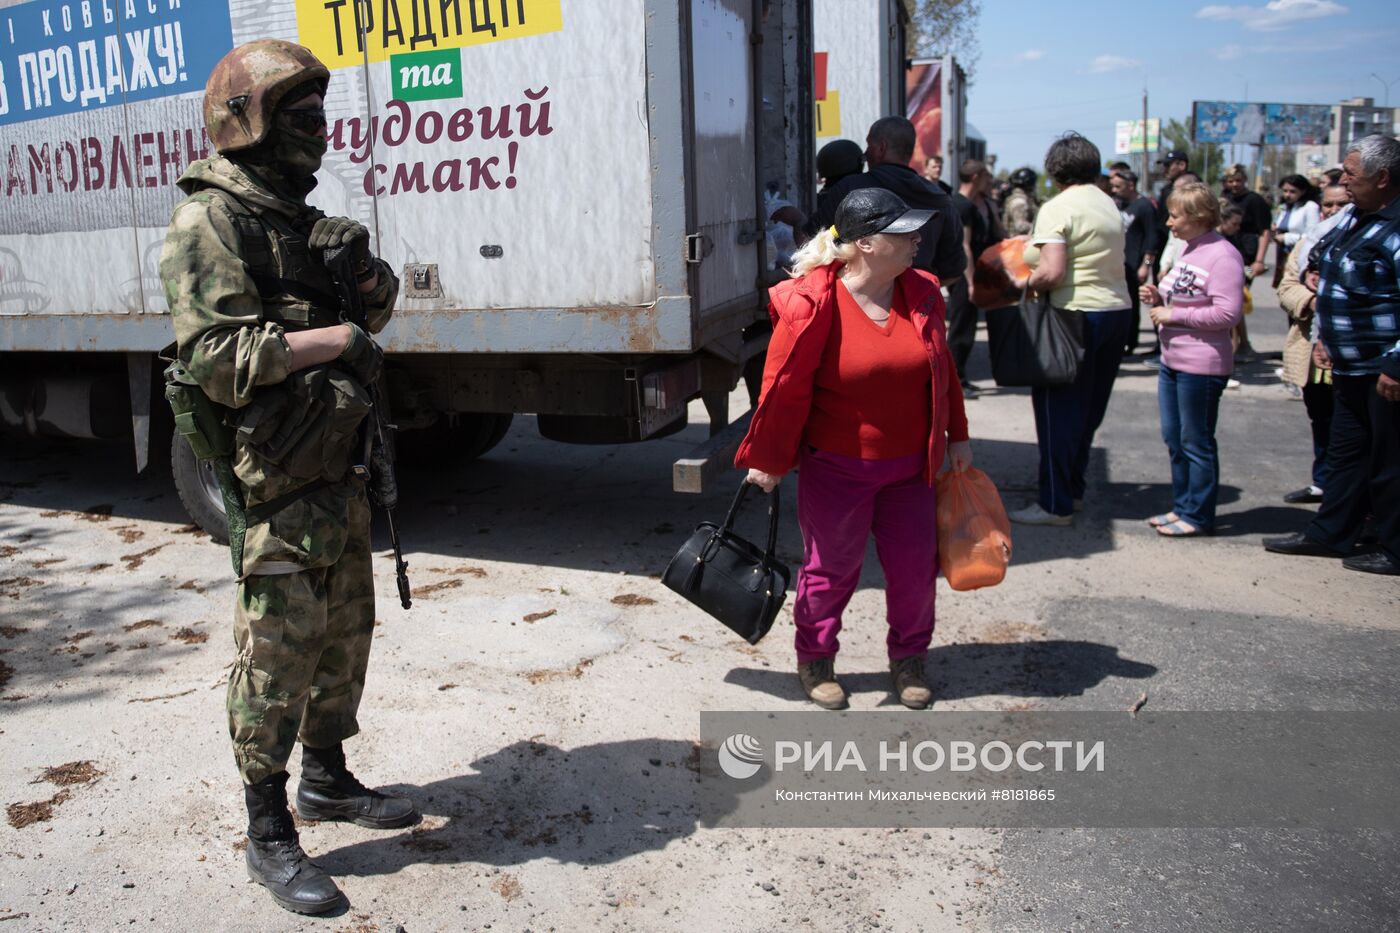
(974, 535)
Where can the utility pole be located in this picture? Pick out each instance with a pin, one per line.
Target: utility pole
(1146, 167)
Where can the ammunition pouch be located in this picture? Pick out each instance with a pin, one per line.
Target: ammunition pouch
(197, 419)
(307, 427)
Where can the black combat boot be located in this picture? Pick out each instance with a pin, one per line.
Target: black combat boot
(328, 791)
(275, 859)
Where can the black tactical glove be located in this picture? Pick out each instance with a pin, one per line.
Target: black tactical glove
(330, 232)
(362, 356)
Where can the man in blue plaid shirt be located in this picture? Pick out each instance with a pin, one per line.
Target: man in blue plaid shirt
(1357, 280)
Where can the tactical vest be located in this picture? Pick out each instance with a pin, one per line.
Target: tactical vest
(295, 287)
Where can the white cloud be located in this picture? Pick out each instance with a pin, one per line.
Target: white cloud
(1106, 63)
(1274, 15)
(1030, 55)
(1229, 53)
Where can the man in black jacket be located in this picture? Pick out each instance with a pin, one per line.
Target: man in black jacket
(888, 148)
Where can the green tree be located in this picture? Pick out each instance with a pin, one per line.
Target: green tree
(939, 27)
(1207, 159)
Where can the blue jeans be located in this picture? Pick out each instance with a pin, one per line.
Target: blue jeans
(1190, 405)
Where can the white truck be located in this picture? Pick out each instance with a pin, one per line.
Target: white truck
(862, 74)
(570, 190)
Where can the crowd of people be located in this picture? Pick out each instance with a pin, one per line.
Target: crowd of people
(881, 304)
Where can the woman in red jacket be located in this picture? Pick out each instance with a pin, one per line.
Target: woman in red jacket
(860, 392)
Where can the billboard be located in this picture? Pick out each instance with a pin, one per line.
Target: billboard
(923, 92)
(1239, 122)
(1127, 136)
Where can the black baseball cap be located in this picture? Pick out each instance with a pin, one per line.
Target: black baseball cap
(1174, 155)
(867, 211)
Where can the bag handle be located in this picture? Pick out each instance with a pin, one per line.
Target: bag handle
(773, 504)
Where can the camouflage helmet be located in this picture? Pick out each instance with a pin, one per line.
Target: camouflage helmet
(247, 85)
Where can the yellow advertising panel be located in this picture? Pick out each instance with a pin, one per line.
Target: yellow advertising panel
(342, 32)
(829, 114)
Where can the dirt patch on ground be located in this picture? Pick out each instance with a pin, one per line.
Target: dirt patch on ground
(144, 623)
(190, 636)
(632, 599)
(41, 564)
(167, 696)
(133, 561)
(192, 529)
(537, 616)
(129, 534)
(1009, 633)
(436, 587)
(77, 637)
(93, 513)
(542, 677)
(97, 568)
(8, 550)
(191, 585)
(74, 772)
(6, 672)
(14, 587)
(10, 631)
(508, 886)
(21, 815)
(464, 571)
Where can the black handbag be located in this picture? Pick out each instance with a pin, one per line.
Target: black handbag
(729, 577)
(1034, 343)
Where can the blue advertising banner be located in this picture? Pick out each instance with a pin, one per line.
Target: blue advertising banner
(65, 56)
(1226, 122)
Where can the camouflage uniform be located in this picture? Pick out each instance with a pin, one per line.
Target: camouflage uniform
(305, 604)
(1018, 213)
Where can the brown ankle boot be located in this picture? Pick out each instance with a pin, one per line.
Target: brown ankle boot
(909, 683)
(819, 683)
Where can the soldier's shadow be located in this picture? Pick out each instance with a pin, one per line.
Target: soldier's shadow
(594, 804)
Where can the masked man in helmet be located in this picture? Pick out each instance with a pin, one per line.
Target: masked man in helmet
(1018, 211)
(257, 323)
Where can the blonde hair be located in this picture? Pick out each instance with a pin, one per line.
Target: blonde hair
(1236, 171)
(1197, 202)
(821, 250)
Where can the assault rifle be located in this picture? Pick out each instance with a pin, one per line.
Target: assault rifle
(377, 467)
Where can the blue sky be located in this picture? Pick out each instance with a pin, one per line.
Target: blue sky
(1081, 64)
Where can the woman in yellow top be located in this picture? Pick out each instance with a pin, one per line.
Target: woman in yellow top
(1076, 250)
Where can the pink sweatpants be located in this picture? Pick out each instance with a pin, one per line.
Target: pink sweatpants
(840, 501)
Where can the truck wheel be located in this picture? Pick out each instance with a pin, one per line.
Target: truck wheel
(471, 437)
(198, 488)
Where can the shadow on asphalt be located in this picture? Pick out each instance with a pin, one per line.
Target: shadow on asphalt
(963, 671)
(592, 805)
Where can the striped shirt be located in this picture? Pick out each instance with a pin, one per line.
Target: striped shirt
(1358, 297)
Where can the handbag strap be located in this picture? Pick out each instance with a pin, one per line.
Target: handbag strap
(773, 507)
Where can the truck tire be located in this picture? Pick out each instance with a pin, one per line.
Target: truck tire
(198, 489)
(474, 435)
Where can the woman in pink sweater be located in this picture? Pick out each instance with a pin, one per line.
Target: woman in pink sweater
(1199, 303)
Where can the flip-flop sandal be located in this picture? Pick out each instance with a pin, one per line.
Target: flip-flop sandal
(1166, 518)
(1179, 529)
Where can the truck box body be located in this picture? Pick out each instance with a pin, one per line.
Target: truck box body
(526, 160)
(571, 192)
(861, 43)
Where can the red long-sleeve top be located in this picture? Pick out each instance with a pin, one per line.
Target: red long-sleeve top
(803, 311)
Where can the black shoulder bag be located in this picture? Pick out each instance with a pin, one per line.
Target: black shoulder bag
(1034, 343)
(729, 577)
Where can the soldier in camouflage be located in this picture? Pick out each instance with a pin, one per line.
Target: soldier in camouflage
(1019, 209)
(257, 322)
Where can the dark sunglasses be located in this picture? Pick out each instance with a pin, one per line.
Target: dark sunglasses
(306, 119)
